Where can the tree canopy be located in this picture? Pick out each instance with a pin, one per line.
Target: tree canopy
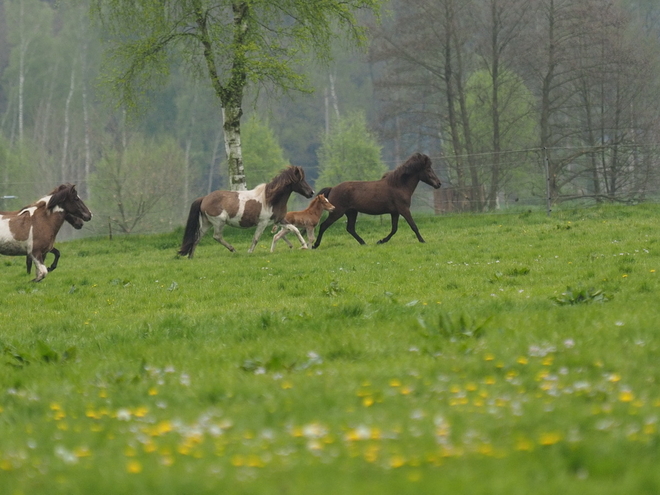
(231, 43)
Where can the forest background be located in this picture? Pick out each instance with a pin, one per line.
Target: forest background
(515, 101)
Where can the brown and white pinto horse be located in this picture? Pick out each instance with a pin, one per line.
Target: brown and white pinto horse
(32, 230)
(76, 223)
(307, 218)
(391, 194)
(260, 207)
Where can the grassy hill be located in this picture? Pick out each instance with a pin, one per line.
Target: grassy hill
(509, 354)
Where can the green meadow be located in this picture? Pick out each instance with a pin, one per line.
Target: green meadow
(510, 354)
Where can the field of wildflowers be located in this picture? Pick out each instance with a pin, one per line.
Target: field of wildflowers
(509, 354)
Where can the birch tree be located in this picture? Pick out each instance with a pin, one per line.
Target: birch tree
(231, 43)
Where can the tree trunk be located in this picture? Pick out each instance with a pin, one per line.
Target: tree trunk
(67, 124)
(232, 127)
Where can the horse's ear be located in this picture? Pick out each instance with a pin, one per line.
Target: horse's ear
(59, 196)
(300, 173)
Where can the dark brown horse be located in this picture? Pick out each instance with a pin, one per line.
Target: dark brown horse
(32, 230)
(260, 207)
(391, 194)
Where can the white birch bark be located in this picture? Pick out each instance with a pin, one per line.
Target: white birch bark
(67, 125)
(232, 127)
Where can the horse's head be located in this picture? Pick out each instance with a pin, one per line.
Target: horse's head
(327, 205)
(75, 222)
(298, 182)
(427, 175)
(66, 197)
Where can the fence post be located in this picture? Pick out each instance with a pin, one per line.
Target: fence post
(547, 180)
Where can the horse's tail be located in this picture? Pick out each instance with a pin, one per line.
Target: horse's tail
(191, 234)
(325, 191)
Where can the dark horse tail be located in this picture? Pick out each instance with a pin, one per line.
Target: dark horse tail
(191, 234)
(325, 191)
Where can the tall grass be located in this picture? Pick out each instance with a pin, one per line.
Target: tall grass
(508, 354)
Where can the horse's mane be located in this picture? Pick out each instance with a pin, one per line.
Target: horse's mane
(286, 177)
(412, 165)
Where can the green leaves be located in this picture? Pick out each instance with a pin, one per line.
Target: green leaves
(581, 296)
(43, 353)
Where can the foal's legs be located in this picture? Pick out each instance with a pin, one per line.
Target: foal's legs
(350, 225)
(280, 235)
(285, 230)
(310, 233)
(395, 226)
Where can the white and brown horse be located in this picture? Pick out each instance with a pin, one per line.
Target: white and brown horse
(307, 219)
(32, 230)
(76, 223)
(260, 207)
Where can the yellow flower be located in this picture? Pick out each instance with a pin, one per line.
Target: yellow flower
(395, 382)
(286, 384)
(406, 390)
(489, 357)
(140, 412)
(153, 391)
(522, 360)
(397, 461)
(549, 438)
(368, 401)
(626, 396)
(134, 467)
(82, 452)
(163, 427)
(524, 445)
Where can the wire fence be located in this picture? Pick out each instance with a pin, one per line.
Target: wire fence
(522, 188)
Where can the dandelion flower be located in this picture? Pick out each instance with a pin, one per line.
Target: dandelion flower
(549, 438)
(134, 467)
(626, 396)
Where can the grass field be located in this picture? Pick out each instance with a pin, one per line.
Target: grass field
(510, 354)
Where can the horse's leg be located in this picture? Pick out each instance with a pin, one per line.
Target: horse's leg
(332, 218)
(280, 235)
(285, 239)
(277, 237)
(217, 235)
(406, 214)
(56, 252)
(292, 228)
(310, 234)
(257, 234)
(39, 266)
(350, 225)
(395, 226)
